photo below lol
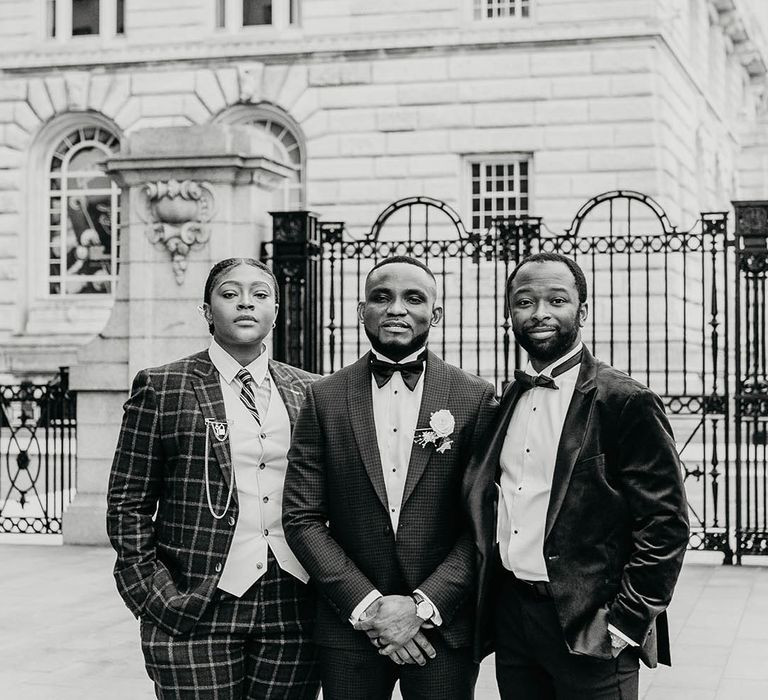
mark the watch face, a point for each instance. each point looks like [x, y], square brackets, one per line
[424, 610]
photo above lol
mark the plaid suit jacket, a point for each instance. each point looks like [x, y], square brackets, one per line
[170, 549]
[335, 513]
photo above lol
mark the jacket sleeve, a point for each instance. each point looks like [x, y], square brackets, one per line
[305, 516]
[132, 496]
[651, 481]
[453, 580]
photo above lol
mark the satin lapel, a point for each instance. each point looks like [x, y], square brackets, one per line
[209, 396]
[492, 453]
[434, 397]
[572, 438]
[290, 390]
[360, 406]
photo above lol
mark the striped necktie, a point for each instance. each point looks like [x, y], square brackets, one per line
[248, 393]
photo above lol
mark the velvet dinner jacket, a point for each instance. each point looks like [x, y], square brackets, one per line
[335, 514]
[169, 562]
[617, 526]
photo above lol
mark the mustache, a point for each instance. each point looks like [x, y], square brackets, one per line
[245, 317]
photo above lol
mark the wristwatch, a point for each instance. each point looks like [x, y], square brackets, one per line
[424, 609]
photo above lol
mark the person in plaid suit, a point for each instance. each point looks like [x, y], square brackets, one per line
[373, 503]
[194, 508]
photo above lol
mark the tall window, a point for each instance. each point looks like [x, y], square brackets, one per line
[493, 9]
[281, 143]
[74, 18]
[84, 212]
[499, 187]
[236, 14]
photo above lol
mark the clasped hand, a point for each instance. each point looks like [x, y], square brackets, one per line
[394, 628]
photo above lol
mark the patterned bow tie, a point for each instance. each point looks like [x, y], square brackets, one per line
[410, 371]
[527, 381]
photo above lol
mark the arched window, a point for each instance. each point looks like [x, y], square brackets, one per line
[283, 137]
[83, 215]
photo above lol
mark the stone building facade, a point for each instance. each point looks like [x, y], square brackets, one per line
[544, 103]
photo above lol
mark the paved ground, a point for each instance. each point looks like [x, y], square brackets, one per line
[65, 635]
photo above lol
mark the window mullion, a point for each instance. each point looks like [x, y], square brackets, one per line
[107, 18]
[63, 20]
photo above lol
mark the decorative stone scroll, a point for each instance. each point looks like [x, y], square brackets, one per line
[177, 214]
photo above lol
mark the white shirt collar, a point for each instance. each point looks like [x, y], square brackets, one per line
[410, 357]
[548, 369]
[228, 366]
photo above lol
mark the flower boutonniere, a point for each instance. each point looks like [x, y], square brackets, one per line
[441, 425]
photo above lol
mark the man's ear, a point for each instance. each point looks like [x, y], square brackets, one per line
[360, 309]
[205, 310]
[437, 315]
[583, 313]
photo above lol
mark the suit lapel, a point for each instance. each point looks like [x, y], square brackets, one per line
[572, 438]
[208, 391]
[360, 406]
[290, 390]
[434, 397]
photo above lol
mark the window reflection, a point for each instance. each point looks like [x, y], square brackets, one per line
[257, 12]
[84, 208]
[85, 17]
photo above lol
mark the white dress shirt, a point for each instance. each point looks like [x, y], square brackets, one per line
[527, 463]
[395, 414]
[259, 463]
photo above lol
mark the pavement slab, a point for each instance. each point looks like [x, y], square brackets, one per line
[66, 635]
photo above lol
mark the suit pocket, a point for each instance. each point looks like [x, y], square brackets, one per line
[590, 465]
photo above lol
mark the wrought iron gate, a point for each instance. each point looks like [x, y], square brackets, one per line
[38, 463]
[660, 303]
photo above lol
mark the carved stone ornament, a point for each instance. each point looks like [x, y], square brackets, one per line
[176, 214]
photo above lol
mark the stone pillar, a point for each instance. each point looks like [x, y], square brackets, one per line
[190, 196]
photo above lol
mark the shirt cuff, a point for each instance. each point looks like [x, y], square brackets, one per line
[623, 636]
[436, 619]
[362, 606]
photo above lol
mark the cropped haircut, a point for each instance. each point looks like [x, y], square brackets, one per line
[578, 273]
[407, 259]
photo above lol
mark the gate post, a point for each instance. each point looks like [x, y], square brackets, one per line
[751, 400]
[296, 263]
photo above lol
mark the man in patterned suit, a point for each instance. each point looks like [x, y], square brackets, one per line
[372, 502]
[194, 509]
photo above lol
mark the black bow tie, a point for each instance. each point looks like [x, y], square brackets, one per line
[410, 371]
[527, 381]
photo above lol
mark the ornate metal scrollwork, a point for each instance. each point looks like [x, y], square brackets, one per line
[177, 214]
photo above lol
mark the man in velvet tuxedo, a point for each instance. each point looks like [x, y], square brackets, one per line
[590, 522]
[373, 504]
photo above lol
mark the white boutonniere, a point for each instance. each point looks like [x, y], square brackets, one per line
[441, 426]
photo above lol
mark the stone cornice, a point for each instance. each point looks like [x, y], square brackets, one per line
[294, 47]
[746, 35]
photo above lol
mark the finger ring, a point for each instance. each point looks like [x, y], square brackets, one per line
[379, 643]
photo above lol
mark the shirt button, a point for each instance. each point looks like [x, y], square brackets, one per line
[534, 408]
[231, 519]
[395, 390]
[259, 565]
[394, 470]
[394, 430]
[266, 533]
[218, 568]
[393, 510]
[519, 488]
[527, 450]
[515, 531]
[265, 499]
[263, 436]
[262, 466]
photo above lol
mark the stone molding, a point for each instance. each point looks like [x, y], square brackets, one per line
[177, 213]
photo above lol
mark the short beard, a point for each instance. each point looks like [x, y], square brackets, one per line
[561, 344]
[397, 352]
